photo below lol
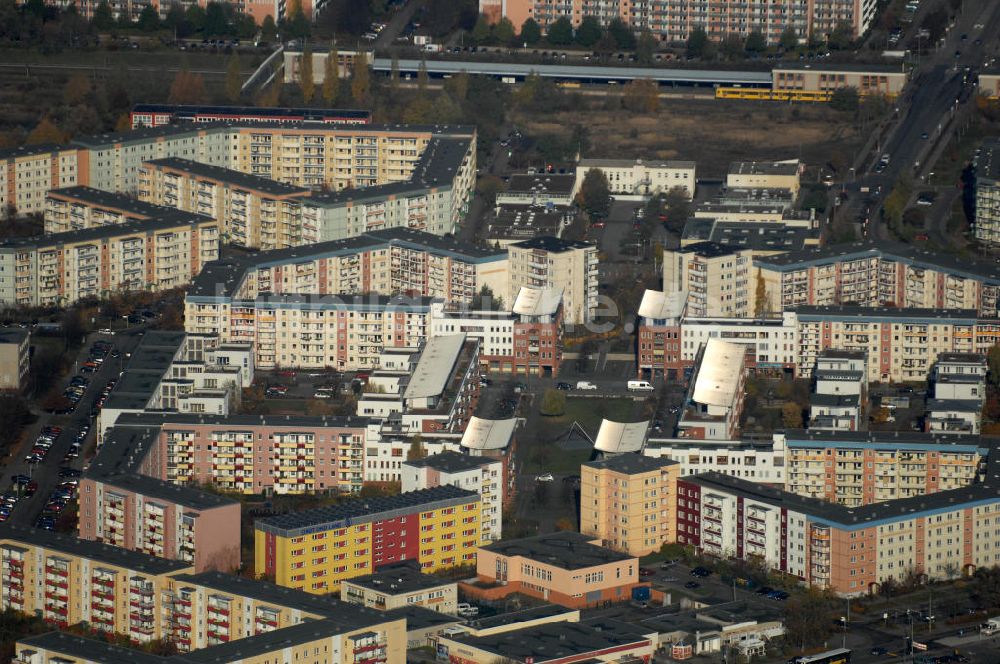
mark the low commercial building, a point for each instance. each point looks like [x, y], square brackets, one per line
[512, 223]
[551, 263]
[715, 278]
[484, 475]
[315, 550]
[29, 171]
[760, 238]
[714, 400]
[751, 458]
[254, 212]
[541, 189]
[15, 358]
[867, 79]
[987, 165]
[155, 115]
[959, 390]
[154, 254]
[765, 175]
[597, 640]
[399, 586]
[66, 580]
[77, 208]
[640, 179]
[564, 568]
[880, 274]
[628, 501]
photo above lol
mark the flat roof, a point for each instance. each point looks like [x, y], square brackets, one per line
[835, 400]
[364, 510]
[707, 250]
[898, 440]
[621, 437]
[962, 358]
[419, 618]
[564, 549]
[96, 551]
[885, 314]
[483, 434]
[631, 464]
[146, 419]
[229, 176]
[956, 405]
[756, 236]
[553, 244]
[593, 162]
[523, 221]
[558, 640]
[91, 650]
[100, 198]
[988, 161]
[437, 361]
[399, 578]
[165, 221]
[145, 369]
[451, 462]
[32, 150]
[262, 111]
[840, 67]
[550, 183]
[13, 335]
[522, 616]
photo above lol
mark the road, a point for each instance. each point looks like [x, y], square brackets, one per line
[937, 89]
[46, 473]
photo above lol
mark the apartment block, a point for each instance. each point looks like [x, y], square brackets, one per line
[348, 332]
[717, 279]
[673, 20]
[861, 468]
[879, 275]
[839, 391]
[958, 393]
[565, 568]
[850, 550]
[155, 115]
[748, 458]
[867, 79]
[987, 166]
[315, 550]
[57, 270]
[434, 388]
[640, 178]
[629, 502]
[551, 263]
[66, 580]
[794, 232]
[400, 586]
[526, 340]
[15, 358]
[714, 401]
[122, 506]
[77, 208]
[484, 475]
[29, 171]
[257, 454]
[254, 212]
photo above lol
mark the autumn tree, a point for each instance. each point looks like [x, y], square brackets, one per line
[331, 76]
[46, 131]
[272, 95]
[77, 89]
[553, 403]
[417, 450]
[234, 79]
[306, 83]
[645, 48]
[187, 88]
[642, 96]
[423, 79]
[791, 415]
[762, 304]
[595, 193]
[359, 80]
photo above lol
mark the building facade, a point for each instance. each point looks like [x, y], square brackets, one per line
[987, 164]
[888, 80]
[717, 279]
[15, 358]
[551, 263]
[29, 171]
[484, 475]
[640, 178]
[77, 208]
[629, 501]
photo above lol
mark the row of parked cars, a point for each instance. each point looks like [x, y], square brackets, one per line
[57, 503]
[43, 444]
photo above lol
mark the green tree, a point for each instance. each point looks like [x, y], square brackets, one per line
[595, 193]
[560, 32]
[678, 207]
[359, 79]
[503, 31]
[756, 42]
[331, 77]
[622, 34]
[789, 39]
[194, 15]
[697, 43]
[645, 48]
[149, 19]
[423, 79]
[993, 363]
[417, 450]
[553, 403]
[234, 78]
[482, 31]
[531, 32]
[306, 82]
[845, 99]
[842, 37]
[216, 23]
[589, 32]
[103, 19]
[394, 72]
[268, 29]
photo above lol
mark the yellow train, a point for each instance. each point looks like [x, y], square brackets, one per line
[776, 95]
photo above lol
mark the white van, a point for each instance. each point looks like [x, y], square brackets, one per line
[585, 385]
[640, 386]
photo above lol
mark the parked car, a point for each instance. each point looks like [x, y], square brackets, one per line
[545, 477]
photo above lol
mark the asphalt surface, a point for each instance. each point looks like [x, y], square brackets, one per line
[46, 473]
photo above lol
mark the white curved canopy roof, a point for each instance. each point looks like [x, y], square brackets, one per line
[621, 437]
[719, 373]
[481, 434]
[659, 305]
[537, 301]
